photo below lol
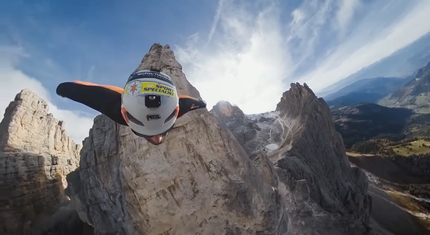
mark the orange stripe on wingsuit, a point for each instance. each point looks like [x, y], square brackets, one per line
[186, 96]
[177, 111]
[124, 115]
[113, 88]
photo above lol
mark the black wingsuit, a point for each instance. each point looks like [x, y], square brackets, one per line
[107, 99]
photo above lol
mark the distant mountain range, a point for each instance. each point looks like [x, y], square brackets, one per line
[385, 126]
[366, 90]
[414, 95]
[401, 64]
[383, 107]
[412, 92]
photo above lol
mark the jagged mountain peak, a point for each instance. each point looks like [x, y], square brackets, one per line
[295, 97]
[225, 108]
[280, 172]
[205, 175]
[36, 154]
[310, 139]
[163, 58]
[199, 181]
[28, 126]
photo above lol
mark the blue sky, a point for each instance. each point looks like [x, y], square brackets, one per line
[261, 46]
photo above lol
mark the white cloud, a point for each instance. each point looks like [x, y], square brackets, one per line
[244, 65]
[257, 48]
[12, 81]
[346, 12]
[216, 19]
[298, 17]
[358, 52]
[306, 30]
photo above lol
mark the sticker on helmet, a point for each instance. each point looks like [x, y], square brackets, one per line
[156, 88]
[133, 88]
[139, 88]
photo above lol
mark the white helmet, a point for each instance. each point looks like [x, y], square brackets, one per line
[150, 103]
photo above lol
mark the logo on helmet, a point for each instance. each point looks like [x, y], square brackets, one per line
[152, 117]
[132, 88]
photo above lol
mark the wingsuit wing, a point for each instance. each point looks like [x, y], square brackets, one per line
[107, 99]
[103, 98]
[188, 103]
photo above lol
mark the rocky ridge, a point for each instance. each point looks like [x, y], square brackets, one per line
[307, 152]
[36, 155]
[414, 95]
[219, 172]
[389, 215]
[361, 122]
[254, 132]
[317, 154]
[202, 181]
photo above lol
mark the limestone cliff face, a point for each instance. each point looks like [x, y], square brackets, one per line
[309, 157]
[417, 165]
[202, 181]
[315, 152]
[35, 156]
[254, 132]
